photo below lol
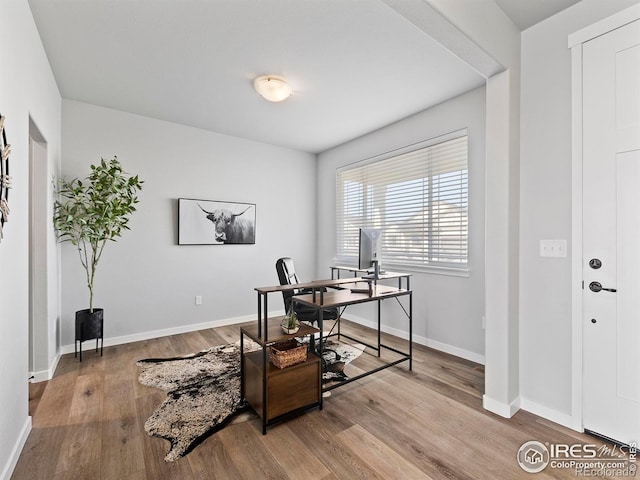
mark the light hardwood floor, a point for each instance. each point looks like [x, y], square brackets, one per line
[88, 423]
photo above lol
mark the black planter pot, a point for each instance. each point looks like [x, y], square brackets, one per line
[89, 325]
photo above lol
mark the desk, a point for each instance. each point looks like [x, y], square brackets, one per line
[275, 394]
[343, 297]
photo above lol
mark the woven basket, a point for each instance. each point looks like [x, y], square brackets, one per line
[283, 355]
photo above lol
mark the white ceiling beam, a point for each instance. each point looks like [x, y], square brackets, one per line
[433, 24]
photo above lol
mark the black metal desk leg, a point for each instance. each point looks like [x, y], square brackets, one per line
[241, 366]
[379, 325]
[320, 350]
[259, 315]
[410, 331]
[265, 365]
[266, 318]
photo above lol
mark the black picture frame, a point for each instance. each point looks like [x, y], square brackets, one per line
[213, 222]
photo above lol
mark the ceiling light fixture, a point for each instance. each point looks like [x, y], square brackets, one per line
[272, 87]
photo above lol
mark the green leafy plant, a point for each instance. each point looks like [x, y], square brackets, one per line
[290, 321]
[90, 212]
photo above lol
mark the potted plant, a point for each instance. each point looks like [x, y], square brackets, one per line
[290, 323]
[89, 213]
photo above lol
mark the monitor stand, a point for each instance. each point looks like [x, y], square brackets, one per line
[376, 272]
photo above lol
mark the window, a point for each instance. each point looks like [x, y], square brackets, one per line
[418, 197]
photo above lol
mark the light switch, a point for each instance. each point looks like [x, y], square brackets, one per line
[553, 248]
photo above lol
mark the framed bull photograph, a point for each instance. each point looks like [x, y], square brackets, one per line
[209, 222]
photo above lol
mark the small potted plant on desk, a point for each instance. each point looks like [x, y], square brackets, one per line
[88, 213]
[290, 323]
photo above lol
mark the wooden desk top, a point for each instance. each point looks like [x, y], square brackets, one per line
[339, 298]
[298, 286]
[385, 275]
[348, 269]
[338, 282]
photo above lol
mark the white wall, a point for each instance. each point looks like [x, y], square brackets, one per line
[545, 182]
[448, 310]
[27, 88]
[146, 282]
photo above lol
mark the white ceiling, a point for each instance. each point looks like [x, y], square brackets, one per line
[355, 66]
[526, 13]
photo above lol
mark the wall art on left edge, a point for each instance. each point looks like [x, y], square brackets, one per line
[5, 179]
[209, 222]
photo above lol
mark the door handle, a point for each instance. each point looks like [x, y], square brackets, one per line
[597, 286]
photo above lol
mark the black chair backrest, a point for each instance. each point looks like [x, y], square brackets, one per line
[287, 276]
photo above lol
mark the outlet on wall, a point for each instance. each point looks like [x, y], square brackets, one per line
[553, 248]
[198, 299]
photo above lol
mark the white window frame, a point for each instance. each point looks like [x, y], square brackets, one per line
[346, 242]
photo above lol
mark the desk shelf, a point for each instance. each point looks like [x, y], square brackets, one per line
[275, 333]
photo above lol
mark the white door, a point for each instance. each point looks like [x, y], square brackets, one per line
[611, 234]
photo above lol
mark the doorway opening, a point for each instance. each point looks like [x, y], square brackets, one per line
[39, 225]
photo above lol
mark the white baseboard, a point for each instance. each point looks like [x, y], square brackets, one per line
[136, 337]
[506, 410]
[427, 342]
[443, 347]
[548, 413]
[15, 452]
[44, 375]
[451, 349]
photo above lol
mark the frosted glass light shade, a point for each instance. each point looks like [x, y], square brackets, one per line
[272, 87]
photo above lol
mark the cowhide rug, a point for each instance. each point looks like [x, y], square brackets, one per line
[203, 392]
[336, 356]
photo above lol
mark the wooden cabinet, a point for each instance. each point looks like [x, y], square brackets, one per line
[272, 392]
[288, 389]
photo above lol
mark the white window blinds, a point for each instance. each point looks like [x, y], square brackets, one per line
[418, 198]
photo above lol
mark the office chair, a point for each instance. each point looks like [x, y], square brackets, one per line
[287, 276]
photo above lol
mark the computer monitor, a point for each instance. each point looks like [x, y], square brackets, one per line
[369, 248]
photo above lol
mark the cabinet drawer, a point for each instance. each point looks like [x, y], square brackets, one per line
[293, 388]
